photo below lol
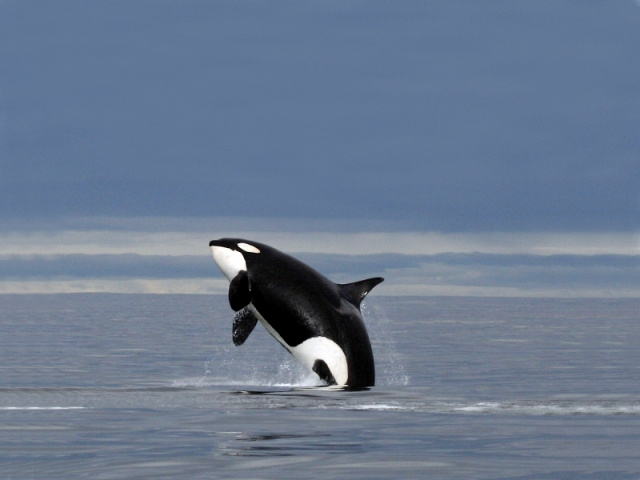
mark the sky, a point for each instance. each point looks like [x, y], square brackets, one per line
[454, 147]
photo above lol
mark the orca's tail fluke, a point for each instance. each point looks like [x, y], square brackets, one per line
[356, 291]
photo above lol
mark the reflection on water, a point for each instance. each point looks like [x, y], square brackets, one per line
[288, 444]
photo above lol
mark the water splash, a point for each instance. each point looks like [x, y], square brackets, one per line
[262, 362]
[235, 366]
[292, 373]
[390, 370]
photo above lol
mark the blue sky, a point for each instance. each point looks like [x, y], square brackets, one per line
[497, 128]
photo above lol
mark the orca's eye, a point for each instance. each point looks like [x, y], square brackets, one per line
[248, 248]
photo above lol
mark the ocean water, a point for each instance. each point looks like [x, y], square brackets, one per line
[150, 386]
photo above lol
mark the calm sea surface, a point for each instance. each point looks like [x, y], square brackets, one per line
[151, 386]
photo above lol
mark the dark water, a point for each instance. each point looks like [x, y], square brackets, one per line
[150, 386]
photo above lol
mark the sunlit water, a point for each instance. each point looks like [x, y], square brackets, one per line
[144, 386]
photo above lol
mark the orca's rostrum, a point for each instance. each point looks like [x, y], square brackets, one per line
[316, 320]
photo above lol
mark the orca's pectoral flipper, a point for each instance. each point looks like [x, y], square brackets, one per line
[239, 293]
[356, 291]
[243, 324]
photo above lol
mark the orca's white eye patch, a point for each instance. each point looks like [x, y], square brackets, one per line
[248, 248]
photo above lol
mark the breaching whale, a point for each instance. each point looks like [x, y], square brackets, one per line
[317, 321]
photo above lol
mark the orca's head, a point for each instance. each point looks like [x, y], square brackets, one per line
[230, 255]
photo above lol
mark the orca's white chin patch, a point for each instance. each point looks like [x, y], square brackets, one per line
[230, 262]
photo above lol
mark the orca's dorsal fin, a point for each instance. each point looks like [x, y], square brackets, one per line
[239, 293]
[356, 291]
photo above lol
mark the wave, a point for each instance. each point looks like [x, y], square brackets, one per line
[525, 407]
[554, 408]
[220, 392]
[43, 408]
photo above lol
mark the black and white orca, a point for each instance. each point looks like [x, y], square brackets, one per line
[317, 321]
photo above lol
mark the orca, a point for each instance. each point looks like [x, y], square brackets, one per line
[316, 320]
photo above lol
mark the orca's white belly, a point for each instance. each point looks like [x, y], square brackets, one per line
[313, 349]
